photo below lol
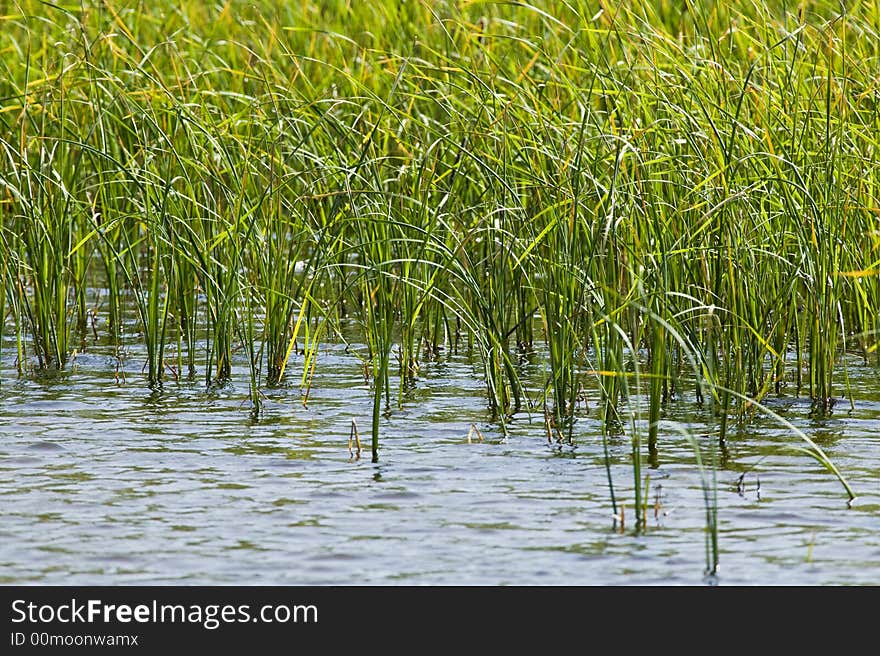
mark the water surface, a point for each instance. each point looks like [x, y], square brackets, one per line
[109, 482]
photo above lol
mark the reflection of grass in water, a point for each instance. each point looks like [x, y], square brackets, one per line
[264, 449]
[75, 476]
[233, 486]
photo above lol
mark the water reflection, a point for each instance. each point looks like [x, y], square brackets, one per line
[106, 483]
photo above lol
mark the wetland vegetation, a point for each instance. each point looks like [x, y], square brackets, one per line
[609, 207]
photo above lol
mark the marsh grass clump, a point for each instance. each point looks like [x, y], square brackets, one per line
[672, 199]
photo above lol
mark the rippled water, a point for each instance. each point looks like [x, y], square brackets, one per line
[109, 483]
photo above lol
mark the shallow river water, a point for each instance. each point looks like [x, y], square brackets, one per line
[105, 483]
